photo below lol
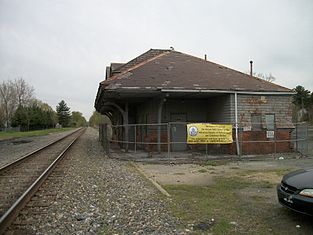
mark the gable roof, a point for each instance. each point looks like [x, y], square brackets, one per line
[172, 70]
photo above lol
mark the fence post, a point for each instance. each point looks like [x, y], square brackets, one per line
[168, 139]
[135, 131]
[103, 135]
[275, 138]
[236, 124]
[105, 139]
[125, 122]
[241, 140]
[296, 136]
[100, 133]
[307, 138]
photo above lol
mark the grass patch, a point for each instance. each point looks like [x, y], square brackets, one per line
[18, 134]
[220, 201]
[265, 184]
[211, 168]
[281, 172]
[202, 171]
[215, 162]
[179, 173]
[234, 168]
[278, 172]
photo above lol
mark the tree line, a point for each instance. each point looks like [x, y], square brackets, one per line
[20, 108]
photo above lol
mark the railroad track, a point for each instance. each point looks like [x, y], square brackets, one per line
[20, 179]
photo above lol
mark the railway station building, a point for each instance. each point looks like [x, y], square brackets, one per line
[160, 91]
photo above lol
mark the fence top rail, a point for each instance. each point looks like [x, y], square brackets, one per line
[169, 123]
[222, 123]
[240, 124]
[142, 124]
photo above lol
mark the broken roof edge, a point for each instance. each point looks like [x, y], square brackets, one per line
[182, 90]
[115, 66]
[229, 91]
[136, 65]
[145, 53]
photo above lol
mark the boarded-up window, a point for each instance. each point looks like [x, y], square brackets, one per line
[270, 121]
[256, 121]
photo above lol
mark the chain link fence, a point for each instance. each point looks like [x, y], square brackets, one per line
[10, 129]
[170, 140]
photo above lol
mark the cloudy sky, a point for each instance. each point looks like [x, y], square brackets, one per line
[61, 47]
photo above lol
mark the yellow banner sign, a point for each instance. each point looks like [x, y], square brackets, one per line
[201, 133]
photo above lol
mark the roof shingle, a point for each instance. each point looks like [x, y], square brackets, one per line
[169, 69]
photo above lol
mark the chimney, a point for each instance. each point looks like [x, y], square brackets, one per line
[205, 57]
[251, 72]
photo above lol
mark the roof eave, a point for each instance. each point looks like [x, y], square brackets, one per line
[229, 91]
[195, 91]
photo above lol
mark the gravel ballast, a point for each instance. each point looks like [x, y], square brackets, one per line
[99, 195]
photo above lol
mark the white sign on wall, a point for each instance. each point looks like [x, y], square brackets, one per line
[270, 134]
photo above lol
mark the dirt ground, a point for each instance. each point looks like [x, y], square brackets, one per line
[254, 201]
[204, 174]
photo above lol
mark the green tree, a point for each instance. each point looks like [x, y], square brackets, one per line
[302, 97]
[63, 113]
[77, 119]
[96, 119]
[20, 118]
[49, 115]
[37, 115]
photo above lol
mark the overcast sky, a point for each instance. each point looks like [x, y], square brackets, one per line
[61, 47]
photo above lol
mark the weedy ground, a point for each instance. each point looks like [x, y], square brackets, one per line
[237, 199]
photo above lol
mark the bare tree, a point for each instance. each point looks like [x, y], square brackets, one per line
[2, 119]
[267, 77]
[24, 92]
[8, 101]
[12, 95]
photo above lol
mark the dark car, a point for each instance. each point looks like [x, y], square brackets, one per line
[296, 191]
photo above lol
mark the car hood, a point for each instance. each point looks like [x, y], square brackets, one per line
[300, 179]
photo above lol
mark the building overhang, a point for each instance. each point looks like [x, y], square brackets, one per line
[139, 94]
[207, 91]
[136, 92]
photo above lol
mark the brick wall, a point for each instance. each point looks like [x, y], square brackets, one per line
[280, 105]
[263, 145]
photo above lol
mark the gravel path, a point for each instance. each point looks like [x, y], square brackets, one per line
[11, 150]
[104, 196]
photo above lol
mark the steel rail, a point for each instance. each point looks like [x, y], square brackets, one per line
[19, 160]
[14, 210]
